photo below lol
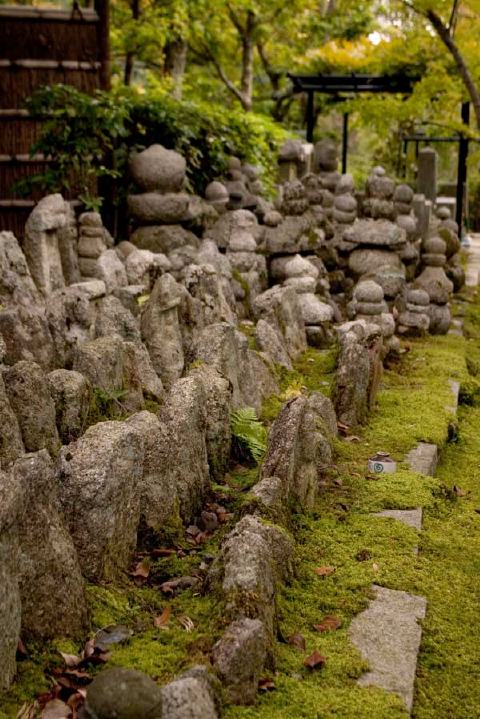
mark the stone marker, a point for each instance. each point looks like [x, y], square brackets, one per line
[427, 173]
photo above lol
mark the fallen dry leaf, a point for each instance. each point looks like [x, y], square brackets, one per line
[328, 624]
[324, 571]
[352, 438]
[56, 709]
[163, 552]
[375, 567]
[113, 634]
[266, 684]
[186, 623]
[298, 641]
[21, 650]
[314, 661]
[142, 570]
[27, 710]
[71, 660]
[162, 620]
[458, 491]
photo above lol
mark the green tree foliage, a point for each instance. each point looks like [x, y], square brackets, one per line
[90, 137]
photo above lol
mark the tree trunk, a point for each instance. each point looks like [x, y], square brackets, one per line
[130, 56]
[450, 44]
[248, 47]
[175, 63]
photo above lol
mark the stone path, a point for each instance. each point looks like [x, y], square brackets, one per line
[387, 633]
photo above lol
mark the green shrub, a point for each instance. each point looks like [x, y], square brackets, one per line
[89, 137]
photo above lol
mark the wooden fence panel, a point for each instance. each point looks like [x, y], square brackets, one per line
[41, 47]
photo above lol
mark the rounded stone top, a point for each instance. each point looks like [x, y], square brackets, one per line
[345, 185]
[403, 193]
[272, 218]
[368, 291]
[326, 155]
[450, 225]
[90, 219]
[157, 168]
[443, 213]
[242, 219]
[121, 693]
[298, 266]
[435, 246]
[251, 171]
[233, 163]
[379, 185]
[293, 190]
[379, 171]
[242, 241]
[291, 150]
[407, 223]
[418, 297]
[216, 192]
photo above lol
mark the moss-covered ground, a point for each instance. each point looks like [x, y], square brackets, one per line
[340, 533]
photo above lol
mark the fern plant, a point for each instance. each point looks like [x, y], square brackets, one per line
[249, 432]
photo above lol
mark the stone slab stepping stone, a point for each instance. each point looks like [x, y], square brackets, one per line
[410, 517]
[423, 458]
[388, 635]
[455, 387]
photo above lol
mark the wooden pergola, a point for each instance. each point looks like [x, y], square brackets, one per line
[341, 86]
[344, 85]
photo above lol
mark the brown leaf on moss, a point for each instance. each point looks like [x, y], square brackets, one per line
[297, 641]
[266, 684]
[71, 660]
[162, 620]
[315, 661]
[163, 552]
[141, 570]
[459, 491]
[328, 624]
[324, 571]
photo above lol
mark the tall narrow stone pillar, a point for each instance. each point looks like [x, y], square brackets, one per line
[427, 173]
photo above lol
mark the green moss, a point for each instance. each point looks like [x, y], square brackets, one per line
[313, 371]
[196, 363]
[105, 406]
[249, 331]
[413, 405]
[317, 368]
[238, 277]
[152, 405]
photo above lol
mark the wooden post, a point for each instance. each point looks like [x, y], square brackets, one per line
[344, 143]
[310, 115]
[462, 167]
[102, 8]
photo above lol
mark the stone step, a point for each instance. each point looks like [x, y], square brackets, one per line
[410, 517]
[388, 635]
[423, 458]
